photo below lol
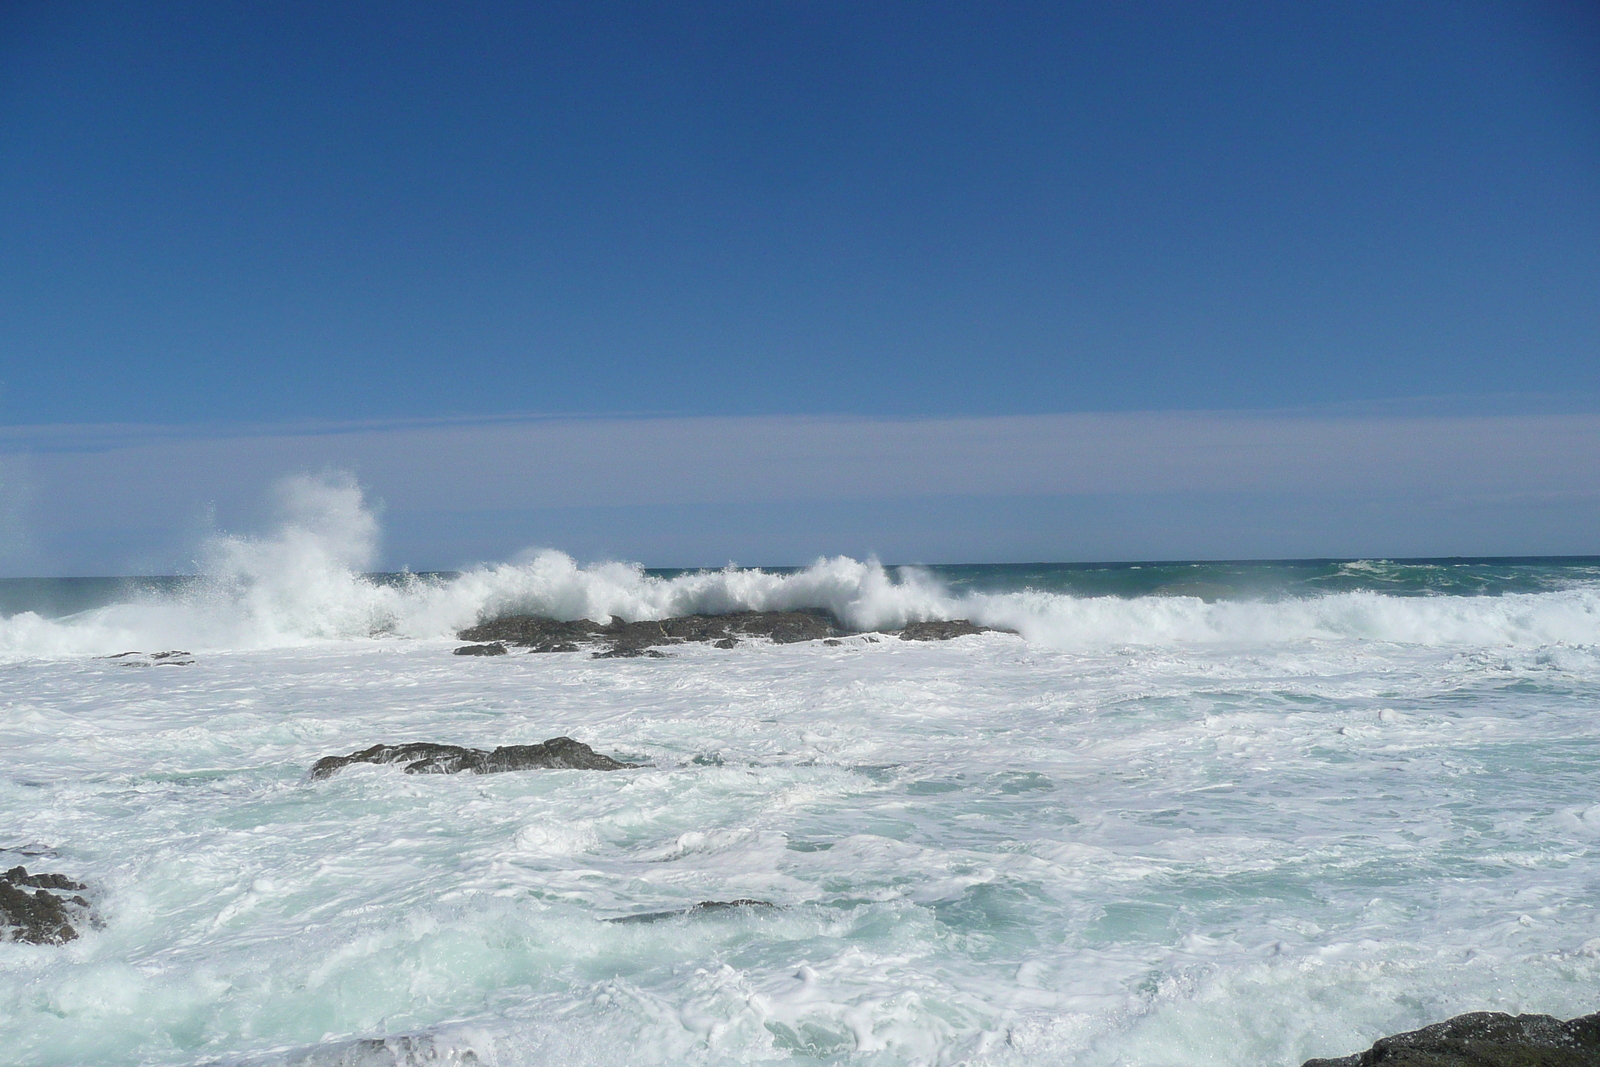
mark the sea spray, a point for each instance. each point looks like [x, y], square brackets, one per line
[304, 582]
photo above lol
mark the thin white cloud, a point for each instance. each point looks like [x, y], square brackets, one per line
[147, 479]
[576, 462]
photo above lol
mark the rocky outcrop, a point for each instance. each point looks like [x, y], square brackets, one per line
[1485, 1039]
[944, 630]
[493, 648]
[422, 757]
[618, 639]
[701, 908]
[40, 917]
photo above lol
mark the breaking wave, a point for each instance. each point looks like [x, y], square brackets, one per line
[305, 583]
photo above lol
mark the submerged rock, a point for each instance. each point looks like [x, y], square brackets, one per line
[422, 757]
[944, 630]
[40, 917]
[1485, 1039]
[699, 909]
[620, 640]
[397, 1050]
[493, 648]
[172, 658]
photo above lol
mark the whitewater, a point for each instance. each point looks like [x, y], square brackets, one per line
[1181, 822]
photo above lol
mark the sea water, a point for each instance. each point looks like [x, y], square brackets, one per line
[1194, 815]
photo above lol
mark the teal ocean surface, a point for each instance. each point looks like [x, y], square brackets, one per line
[1209, 580]
[1188, 814]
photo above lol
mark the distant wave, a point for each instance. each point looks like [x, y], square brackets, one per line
[305, 584]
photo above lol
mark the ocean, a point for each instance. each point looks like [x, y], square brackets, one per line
[1190, 814]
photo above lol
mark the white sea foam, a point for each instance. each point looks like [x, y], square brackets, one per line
[1155, 832]
[985, 851]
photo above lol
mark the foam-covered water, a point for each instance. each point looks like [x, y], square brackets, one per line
[1152, 830]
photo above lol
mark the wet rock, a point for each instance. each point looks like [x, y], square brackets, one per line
[629, 652]
[556, 753]
[399, 1050]
[412, 753]
[493, 648]
[1485, 1039]
[701, 908]
[173, 658]
[40, 917]
[534, 633]
[422, 757]
[32, 851]
[625, 640]
[618, 639]
[945, 629]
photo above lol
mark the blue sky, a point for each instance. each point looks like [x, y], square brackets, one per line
[219, 218]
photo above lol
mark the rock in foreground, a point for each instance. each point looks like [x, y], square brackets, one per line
[422, 757]
[39, 917]
[1485, 1039]
[617, 639]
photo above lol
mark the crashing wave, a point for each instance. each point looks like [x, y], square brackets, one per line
[305, 584]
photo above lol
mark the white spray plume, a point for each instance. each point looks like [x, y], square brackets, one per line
[304, 580]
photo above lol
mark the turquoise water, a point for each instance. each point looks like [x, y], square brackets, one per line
[1209, 580]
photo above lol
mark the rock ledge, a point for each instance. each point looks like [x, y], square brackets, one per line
[1485, 1039]
[618, 639]
[423, 757]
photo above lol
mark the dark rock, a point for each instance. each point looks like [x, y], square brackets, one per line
[32, 851]
[493, 648]
[421, 757]
[618, 639]
[556, 753]
[784, 627]
[532, 631]
[417, 751]
[624, 640]
[1485, 1039]
[173, 658]
[699, 909]
[40, 917]
[945, 629]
